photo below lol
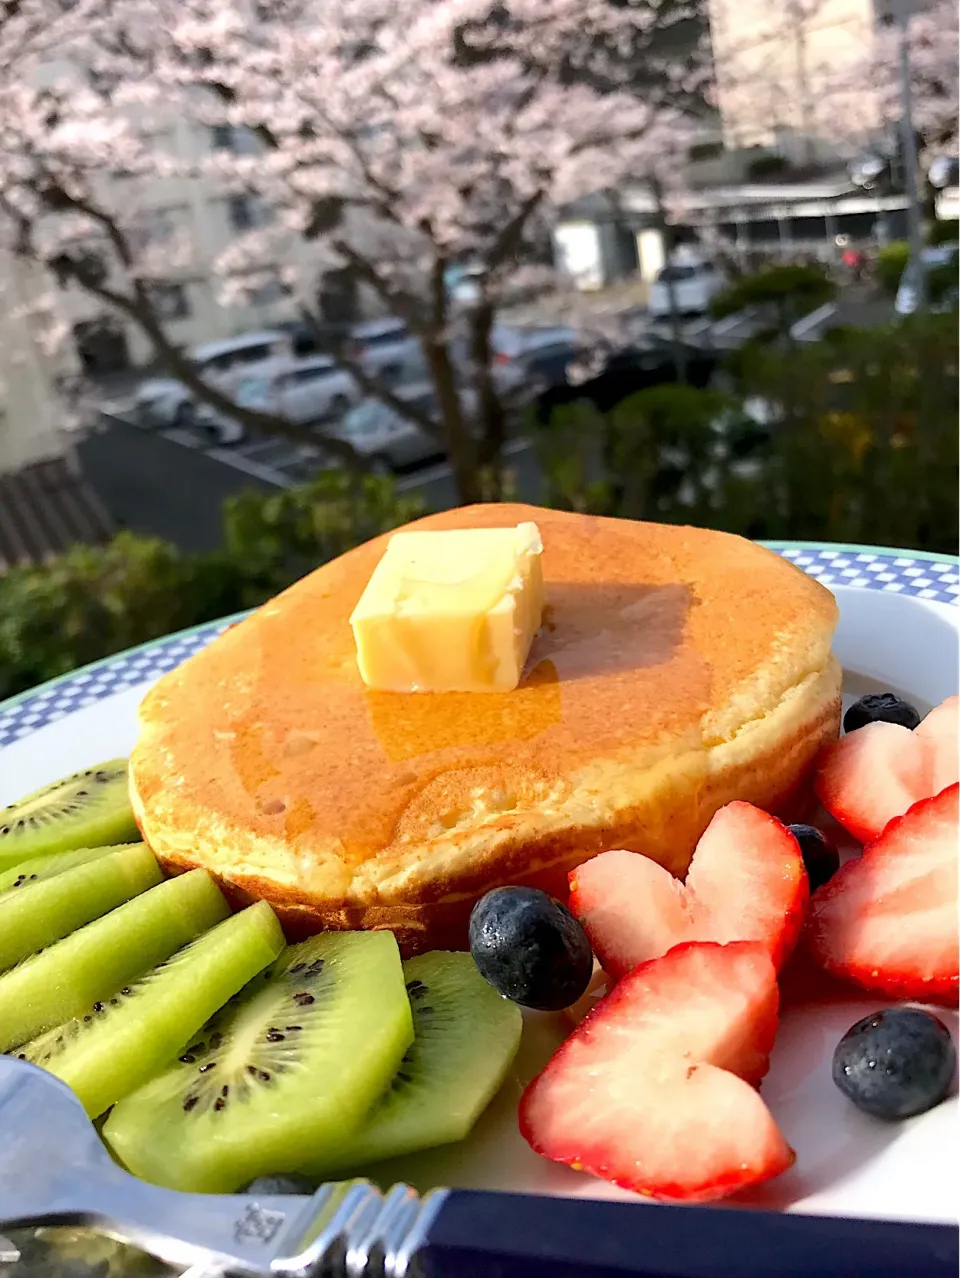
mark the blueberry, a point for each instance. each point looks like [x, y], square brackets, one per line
[283, 1184]
[896, 1063]
[880, 707]
[530, 948]
[819, 855]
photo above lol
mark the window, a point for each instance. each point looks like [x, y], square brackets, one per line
[312, 374]
[305, 376]
[425, 404]
[237, 359]
[271, 289]
[387, 336]
[171, 301]
[158, 226]
[252, 354]
[367, 418]
[234, 138]
[247, 212]
[673, 274]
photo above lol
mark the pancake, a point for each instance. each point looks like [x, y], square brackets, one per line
[677, 669]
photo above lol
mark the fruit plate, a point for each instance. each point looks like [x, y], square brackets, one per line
[899, 631]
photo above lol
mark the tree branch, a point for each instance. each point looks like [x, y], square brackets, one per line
[140, 309]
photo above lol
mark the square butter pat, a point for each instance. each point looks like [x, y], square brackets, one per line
[451, 611]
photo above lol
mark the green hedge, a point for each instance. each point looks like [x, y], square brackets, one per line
[860, 445]
[94, 601]
[891, 261]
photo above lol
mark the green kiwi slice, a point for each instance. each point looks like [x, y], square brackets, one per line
[45, 867]
[84, 810]
[121, 1042]
[38, 913]
[61, 982]
[466, 1037]
[293, 1063]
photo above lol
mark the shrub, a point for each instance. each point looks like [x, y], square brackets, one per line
[890, 264]
[97, 600]
[787, 292]
[280, 537]
[944, 231]
[852, 439]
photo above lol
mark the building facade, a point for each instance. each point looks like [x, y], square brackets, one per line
[791, 75]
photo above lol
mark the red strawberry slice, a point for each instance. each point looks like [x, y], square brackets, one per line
[941, 728]
[746, 882]
[655, 1090]
[888, 920]
[872, 775]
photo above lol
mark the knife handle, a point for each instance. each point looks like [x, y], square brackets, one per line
[479, 1235]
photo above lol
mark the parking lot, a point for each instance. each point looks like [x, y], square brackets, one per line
[283, 463]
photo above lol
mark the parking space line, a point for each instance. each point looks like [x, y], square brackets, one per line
[268, 474]
[184, 437]
[443, 470]
[257, 446]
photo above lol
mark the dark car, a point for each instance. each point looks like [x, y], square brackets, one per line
[570, 371]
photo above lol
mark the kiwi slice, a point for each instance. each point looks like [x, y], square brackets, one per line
[83, 810]
[39, 913]
[293, 1063]
[121, 1042]
[466, 1037]
[61, 982]
[45, 867]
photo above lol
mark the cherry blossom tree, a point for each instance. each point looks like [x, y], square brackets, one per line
[934, 58]
[390, 143]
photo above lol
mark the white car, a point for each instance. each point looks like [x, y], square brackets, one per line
[385, 348]
[388, 441]
[695, 283]
[908, 290]
[164, 401]
[311, 390]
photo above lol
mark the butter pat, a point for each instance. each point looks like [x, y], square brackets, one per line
[451, 611]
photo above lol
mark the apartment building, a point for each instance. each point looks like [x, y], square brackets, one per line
[790, 75]
[188, 222]
[31, 415]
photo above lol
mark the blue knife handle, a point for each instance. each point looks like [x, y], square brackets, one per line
[489, 1235]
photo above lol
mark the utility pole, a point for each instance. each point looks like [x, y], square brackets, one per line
[908, 143]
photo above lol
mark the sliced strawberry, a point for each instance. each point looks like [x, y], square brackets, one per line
[872, 775]
[654, 1090]
[746, 882]
[888, 920]
[941, 728]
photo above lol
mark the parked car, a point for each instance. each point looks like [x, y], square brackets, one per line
[385, 348]
[386, 440]
[513, 347]
[164, 401]
[603, 375]
[311, 390]
[938, 267]
[695, 283]
[389, 441]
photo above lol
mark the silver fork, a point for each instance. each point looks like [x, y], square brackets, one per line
[54, 1170]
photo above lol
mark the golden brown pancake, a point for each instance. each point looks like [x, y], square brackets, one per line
[676, 669]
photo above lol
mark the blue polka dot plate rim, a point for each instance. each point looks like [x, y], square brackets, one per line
[903, 640]
[932, 579]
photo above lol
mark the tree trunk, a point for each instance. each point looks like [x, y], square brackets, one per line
[669, 245]
[491, 418]
[457, 441]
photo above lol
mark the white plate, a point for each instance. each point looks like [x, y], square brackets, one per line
[898, 631]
